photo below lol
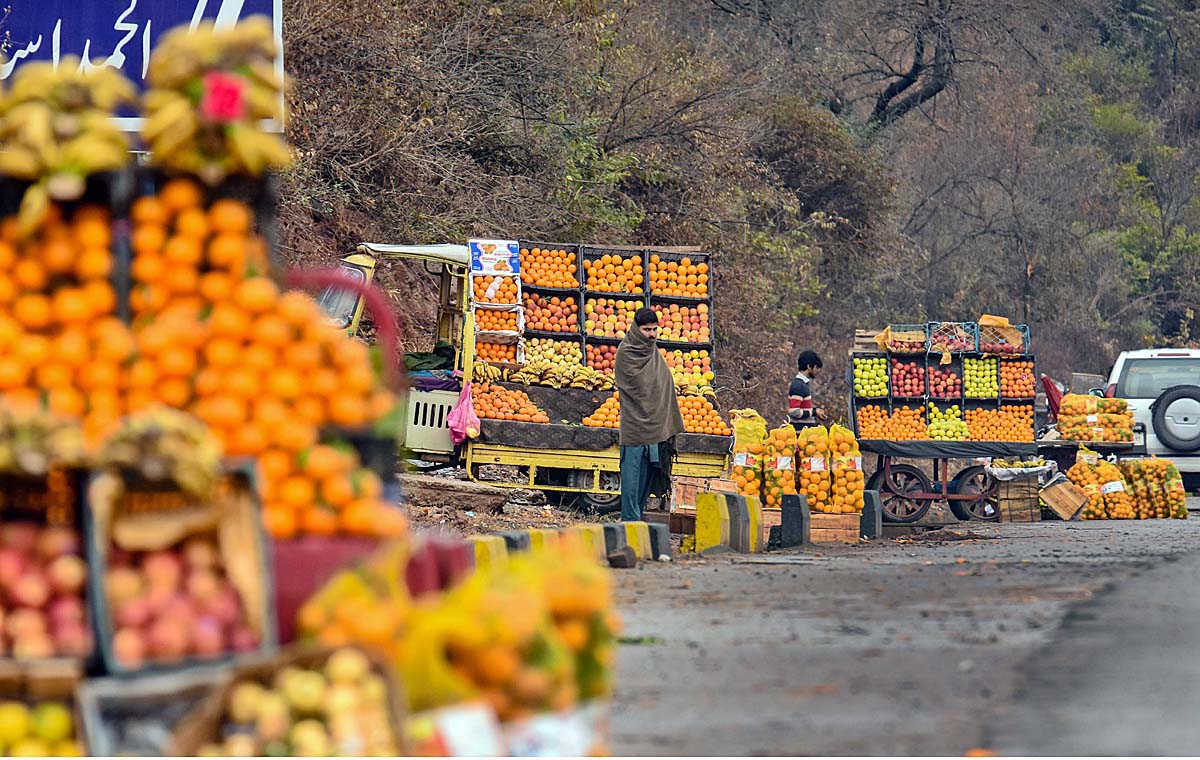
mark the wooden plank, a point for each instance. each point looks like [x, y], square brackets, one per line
[835, 528]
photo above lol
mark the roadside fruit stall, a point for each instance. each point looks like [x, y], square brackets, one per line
[198, 554]
[943, 391]
[534, 328]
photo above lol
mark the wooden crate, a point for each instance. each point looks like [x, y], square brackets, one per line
[835, 529]
[1018, 500]
[864, 340]
[1065, 498]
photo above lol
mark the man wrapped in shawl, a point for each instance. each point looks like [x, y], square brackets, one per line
[650, 417]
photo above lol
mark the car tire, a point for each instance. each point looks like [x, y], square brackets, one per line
[1189, 396]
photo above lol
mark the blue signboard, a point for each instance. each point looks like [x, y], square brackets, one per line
[117, 33]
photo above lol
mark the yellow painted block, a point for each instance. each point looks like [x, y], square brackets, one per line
[490, 551]
[541, 539]
[637, 535]
[712, 521]
[591, 538]
[754, 508]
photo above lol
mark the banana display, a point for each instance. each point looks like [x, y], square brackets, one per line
[162, 443]
[209, 90]
[543, 372]
[56, 130]
[31, 440]
[1012, 464]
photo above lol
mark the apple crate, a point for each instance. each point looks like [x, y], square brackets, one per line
[1010, 340]
[177, 581]
[952, 337]
[204, 724]
[44, 576]
[907, 338]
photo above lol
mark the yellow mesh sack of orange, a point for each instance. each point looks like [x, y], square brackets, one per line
[779, 471]
[813, 460]
[846, 474]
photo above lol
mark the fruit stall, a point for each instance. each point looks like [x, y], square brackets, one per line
[198, 551]
[939, 392]
[534, 327]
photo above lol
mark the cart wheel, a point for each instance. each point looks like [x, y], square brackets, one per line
[975, 480]
[599, 503]
[897, 506]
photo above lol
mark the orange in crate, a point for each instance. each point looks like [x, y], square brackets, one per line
[497, 353]
[549, 268]
[494, 320]
[615, 273]
[1016, 379]
[682, 278]
[494, 289]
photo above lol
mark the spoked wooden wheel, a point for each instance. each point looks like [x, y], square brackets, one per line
[974, 480]
[898, 505]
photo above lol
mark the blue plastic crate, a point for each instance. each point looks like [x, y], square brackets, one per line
[952, 337]
[992, 340]
[916, 347]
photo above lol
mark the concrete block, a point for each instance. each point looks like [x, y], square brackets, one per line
[660, 541]
[624, 557]
[637, 535]
[541, 539]
[516, 540]
[795, 523]
[871, 524]
[755, 521]
[739, 522]
[490, 551]
[614, 537]
[591, 538]
[712, 521]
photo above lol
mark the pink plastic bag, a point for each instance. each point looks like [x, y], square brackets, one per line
[464, 423]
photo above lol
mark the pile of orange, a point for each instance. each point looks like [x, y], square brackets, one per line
[688, 362]
[1084, 475]
[779, 469]
[495, 402]
[602, 358]
[549, 268]
[497, 353]
[551, 314]
[494, 289]
[607, 416]
[683, 324]
[699, 416]
[495, 320]
[1008, 423]
[1016, 379]
[59, 341]
[187, 254]
[682, 278]
[846, 481]
[1118, 501]
[903, 424]
[614, 273]
[609, 317]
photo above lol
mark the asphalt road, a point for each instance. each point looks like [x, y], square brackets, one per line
[1050, 638]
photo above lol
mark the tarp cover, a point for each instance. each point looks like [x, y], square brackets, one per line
[948, 449]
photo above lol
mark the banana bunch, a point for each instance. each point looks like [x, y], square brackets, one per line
[1006, 464]
[482, 372]
[557, 375]
[56, 129]
[167, 444]
[32, 441]
[688, 388]
[209, 92]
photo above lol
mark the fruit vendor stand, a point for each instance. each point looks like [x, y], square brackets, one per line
[196, 555]
[942, 391]
[535, 326]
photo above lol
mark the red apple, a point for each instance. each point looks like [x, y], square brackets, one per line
[23, 623]
[66, 609]
[55, 542]
[34, 646]
[30, 590]
[203, 585]
[12, 565]
[162, 569]
[179, 607]
[201, 554]
[122, 584]
[22, 536]
[168, 639]
[129, 646]
[73, 640]
[133, 613]
[243, 639]
[208, 640]
[226, 606]
[67, 574]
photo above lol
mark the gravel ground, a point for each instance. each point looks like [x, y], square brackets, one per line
[1031, 640]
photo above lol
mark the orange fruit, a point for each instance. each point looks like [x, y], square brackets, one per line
[174, 392]
[256, 294]
[275, 464]
[279, 521]
[33, 311]
[148, 210]
[192, 223]
[183, 250]
[318, 521]
[230, 217]
[180, 194]
[148, 239]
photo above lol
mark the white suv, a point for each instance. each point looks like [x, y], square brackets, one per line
[1162, 386]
